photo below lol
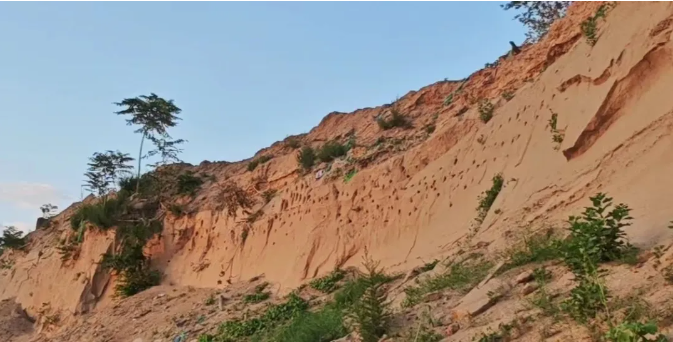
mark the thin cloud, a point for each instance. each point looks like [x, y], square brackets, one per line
[25, 195]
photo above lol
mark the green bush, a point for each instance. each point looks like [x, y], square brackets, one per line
[324, 325]
[327, 283]
[261, 160]
[486, 109]
[397, 119]
[331, 150]
[306, 157]
[104, 214]
[148, 185]
[430, 128]
[488, 197]
[635, 332]
[292, 143]
[371, 314]
[534, 249]
[188, 184]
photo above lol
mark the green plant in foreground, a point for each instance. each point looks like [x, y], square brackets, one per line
[349, 175]
[371, 313]
[635, 332]
[327, 283]
[488, 197]
[486, 109]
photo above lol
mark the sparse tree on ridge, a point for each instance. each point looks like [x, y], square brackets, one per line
[48, 210]
[167, 149]
[537, 15]
[154, 115]
[12, 238]
[105, 169]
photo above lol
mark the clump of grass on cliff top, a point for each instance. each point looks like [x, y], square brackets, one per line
[488, 197]
[590, 26]
[397, 119]
[261, 160]
[331, 150]
[189, 184]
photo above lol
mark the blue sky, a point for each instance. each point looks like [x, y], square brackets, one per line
[244, 74]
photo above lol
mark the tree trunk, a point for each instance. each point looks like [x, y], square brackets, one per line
[140, 158]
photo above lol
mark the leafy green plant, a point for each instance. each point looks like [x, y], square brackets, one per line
[397, 119]
[371, 313]
[331, 150]
[486, 109]
[349, 175]
[293, 142]
[102, 214]
[306, 157]
[104, 170]
[256, 297]
[488, 197]
[323, 325]
[635, 332]
[210, 300]
[535, 248]
[189, 184]
[328, 283]
[557, 136]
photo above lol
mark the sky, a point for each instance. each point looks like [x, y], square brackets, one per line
[245, 74]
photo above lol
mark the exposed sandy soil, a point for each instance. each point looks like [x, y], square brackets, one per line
[414, 195]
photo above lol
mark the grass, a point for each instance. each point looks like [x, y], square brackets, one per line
[508, 95]
[397, 119]
[487, 198]
[189, 184]
[331, 150]
[589, 27]
[557, 136]
[328, 283]
[459, 277]
[261, 160]
[429, 266]
[293, 143]
[349, 175]
[486, 109]
[535, 248]
[104, 214]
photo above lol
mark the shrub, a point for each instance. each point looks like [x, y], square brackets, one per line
[104, 214]
[256, 297]
[635, 332]
[147, 187]
[324, 325]
[508, 95]
[349, 175]
[293, 143]
[188, 184]
[306, 157]
[261, 160]
[429, 266]
[534, 249]
[371, 314]
[176, 209]
[485, 110]
[331, 150]
[430, 128]
[327, 283]
[397, 119]
[488, 197]
[448, 100]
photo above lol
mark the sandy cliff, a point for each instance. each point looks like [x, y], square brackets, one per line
[414, 195]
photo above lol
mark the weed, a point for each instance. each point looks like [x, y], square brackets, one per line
[306, 157]
[430, 128]
[486, 109]
[210, 300]
[104, 214]
[448, 100]
[508, 95]
[324, 325]
[589, 26]
[327, 284]
[269, 194]
[557, 136]
[488, 197]
[293, 143]
[349, 175]
[429, 266]
[397, 119]
[188, 184]
[256, 297]
[425, 334]
[635, 332]
[261, 160]
[352, 291]
[370, 314]
[460, 277]
[533, 249]
[331, 150]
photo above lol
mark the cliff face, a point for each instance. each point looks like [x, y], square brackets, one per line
[415, 191]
